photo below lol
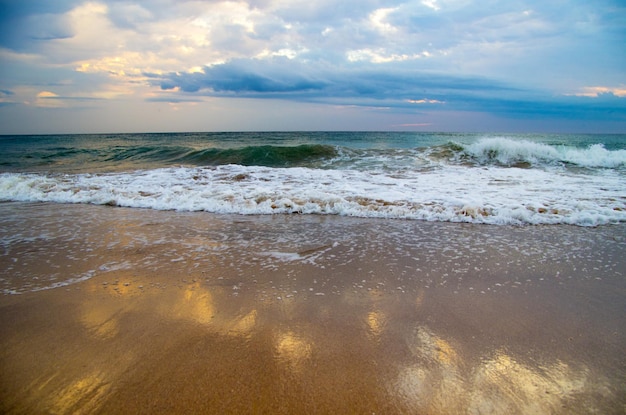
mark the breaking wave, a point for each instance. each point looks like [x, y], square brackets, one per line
[509, 152]
[490, 195]
[270, 156]
[458, 178]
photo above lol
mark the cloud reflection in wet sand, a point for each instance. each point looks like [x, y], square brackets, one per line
[394, 355]
[82, 396]
[376, 321]
[293, 350]
[349, 326]
[437, 378]
[440, 381]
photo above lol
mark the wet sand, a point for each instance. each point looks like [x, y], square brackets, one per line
[110, 310]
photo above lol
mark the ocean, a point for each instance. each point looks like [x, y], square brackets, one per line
[500, 179]
[313, 272]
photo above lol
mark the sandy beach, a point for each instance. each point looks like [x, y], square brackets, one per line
[111, 310]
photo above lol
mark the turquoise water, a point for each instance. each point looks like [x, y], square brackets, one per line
[85, 153]
[482, 178]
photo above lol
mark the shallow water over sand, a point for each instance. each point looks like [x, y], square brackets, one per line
[111, 310]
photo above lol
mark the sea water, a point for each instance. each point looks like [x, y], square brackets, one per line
[498, 179]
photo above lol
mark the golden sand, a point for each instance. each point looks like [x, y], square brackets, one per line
[170, 313]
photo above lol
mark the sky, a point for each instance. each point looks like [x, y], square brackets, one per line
[76, 66]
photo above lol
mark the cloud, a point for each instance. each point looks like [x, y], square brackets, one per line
[381, 55]
[47, 94]
[24, 23]
[373, 85]
[281, 77]
[432, 4]
[425, 101]
[129, 15]
[173, 100]
[597, 91]
[277, 75]
[513, 59]
[47, 99]
[7, 98]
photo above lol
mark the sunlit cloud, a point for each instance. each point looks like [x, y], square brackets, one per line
[47, 99]
[382, 56]
[47, 94]
[502, 59]
[378, 19]
[431, 4]
[286, 52]
[596, 91]
[425, 101]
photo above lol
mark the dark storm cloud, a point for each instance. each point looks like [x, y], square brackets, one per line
[372, 85]
[249, 77]
[25, 21]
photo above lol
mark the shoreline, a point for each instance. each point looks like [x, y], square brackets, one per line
[194, 312]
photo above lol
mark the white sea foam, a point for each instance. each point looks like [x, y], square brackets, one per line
[488, 194]
[507, 151]
[283, 256]
[63, 283]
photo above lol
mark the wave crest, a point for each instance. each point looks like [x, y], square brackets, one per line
[268, 156]
[509, 152]
[454, 194]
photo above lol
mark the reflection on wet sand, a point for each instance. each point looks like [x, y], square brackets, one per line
[193, 303]
[431, 383]
[83, 396]
[409, 366]
[101, 322]
[441, 381]
[208, 325]
[244, 325]
[502, 384]
[293, 350]
[376, 321]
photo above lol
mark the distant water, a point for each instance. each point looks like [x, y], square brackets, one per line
[479, 178]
